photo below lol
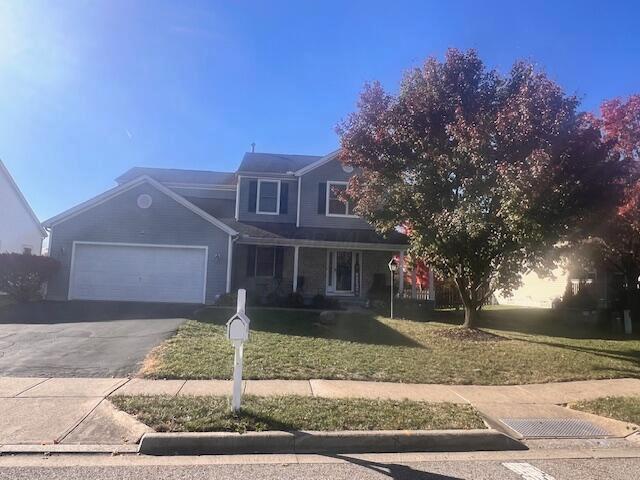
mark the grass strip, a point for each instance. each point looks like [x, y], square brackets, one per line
[292, 413]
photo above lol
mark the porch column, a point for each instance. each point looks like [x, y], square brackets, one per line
[295, 267]
[432, 285]
[414, 284]
[229, 263]
[401, 273]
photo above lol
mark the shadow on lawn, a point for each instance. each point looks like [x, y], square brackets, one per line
[531, 321]
[631, 355]
[346, 326]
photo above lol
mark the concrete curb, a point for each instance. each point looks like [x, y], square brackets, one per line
[386, 441]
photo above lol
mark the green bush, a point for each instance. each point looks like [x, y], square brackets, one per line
[325, 303]
[227, 300]
[22, 276]
[295, 300]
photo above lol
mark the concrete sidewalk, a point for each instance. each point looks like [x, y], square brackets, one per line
[549, 393]
[76, 410]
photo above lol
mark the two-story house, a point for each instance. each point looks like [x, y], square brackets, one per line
[274, 225]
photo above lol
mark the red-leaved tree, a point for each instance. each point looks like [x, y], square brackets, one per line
[616, 243]
[490, 171]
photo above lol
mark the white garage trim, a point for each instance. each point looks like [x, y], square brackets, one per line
[142, 245]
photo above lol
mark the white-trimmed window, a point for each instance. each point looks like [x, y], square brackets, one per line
[336, 207]
[268, 197]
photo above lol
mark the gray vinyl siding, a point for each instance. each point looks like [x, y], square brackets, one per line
[309, 217]
[120, 220]
[245, 216]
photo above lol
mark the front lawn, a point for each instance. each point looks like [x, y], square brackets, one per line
[292, 413]
[625, 409]
[530, 346]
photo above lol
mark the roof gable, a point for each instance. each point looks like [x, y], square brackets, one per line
[179, 176]
[318, 163]
[274, 162]
[114, 192]
[27, 207]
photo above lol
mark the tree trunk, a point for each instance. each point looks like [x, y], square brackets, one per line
[470, 316]
[470, 303]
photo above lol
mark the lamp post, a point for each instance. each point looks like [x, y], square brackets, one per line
[393, 266]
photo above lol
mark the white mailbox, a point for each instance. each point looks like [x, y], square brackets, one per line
[238, 327]
[238, 333]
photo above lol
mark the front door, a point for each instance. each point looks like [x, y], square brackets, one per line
[342, 269]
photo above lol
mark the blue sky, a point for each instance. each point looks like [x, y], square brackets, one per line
[89, 89]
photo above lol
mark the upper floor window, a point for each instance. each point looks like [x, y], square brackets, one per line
[335, 205]
[268, 197]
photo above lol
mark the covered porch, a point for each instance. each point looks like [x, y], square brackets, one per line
[345, 271]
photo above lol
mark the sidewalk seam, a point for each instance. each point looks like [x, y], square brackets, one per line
[32, 386]
[313, 394]
[463, 398]
[61, 438]
[64, 435]
[180, 389]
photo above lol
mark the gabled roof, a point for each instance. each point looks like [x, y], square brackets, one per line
[23, 200]
[114, 192]
[318, 163]
[174, 175]
[274, 162]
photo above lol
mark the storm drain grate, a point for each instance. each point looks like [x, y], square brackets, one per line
[554, 428]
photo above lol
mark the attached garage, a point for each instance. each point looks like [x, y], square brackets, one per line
[138, 272]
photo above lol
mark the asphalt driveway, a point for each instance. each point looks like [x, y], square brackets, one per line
[83, 339]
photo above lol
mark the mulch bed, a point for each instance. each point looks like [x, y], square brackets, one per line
[468, 334]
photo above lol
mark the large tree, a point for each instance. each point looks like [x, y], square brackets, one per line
[489, 171]
[616, 241]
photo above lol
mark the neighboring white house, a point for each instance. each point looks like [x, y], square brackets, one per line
[537, 291]
[20, 229]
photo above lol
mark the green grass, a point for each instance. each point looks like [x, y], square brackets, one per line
[290, 344]
[625, 409]
[291, 413]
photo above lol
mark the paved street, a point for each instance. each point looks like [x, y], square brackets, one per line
[314, 467]
[82, 339]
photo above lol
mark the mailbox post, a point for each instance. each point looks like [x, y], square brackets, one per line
[238, 333]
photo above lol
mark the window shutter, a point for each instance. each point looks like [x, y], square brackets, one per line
[322, 198]
[279, 259]
[251, 260]
[284, 198]
[253, 195]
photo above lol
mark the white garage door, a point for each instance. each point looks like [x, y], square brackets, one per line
[140, 273]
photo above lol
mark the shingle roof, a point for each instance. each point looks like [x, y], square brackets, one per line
[282, 231]
[275, 162]
[174, 175]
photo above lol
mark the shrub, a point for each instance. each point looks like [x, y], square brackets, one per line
[295, 300]
[227, 300]
[585, 299]
[272, 299]
[325, 303]
[22, 276]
